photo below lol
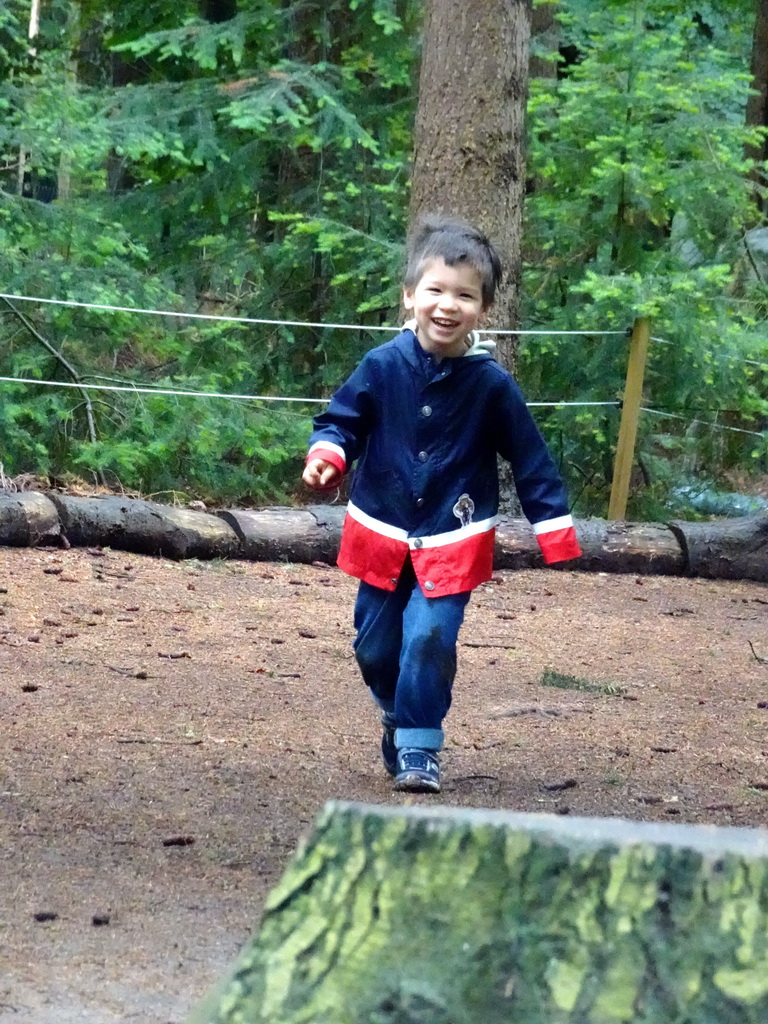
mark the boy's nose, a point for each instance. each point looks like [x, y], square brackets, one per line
[447, 301]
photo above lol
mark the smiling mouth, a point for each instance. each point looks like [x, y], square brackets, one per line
[447, 324]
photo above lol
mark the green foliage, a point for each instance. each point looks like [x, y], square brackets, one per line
[237, 453]
[562, 681]
[641, 207]
[257, 167]
[253, 167]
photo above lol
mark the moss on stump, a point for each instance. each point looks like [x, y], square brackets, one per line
[450, 916]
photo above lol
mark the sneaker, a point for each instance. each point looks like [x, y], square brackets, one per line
[418, 771]
[388, 748]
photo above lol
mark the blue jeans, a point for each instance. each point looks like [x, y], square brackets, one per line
[406, 649]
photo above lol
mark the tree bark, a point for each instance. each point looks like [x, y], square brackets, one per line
[310, 534]
[545, 33]
[28, 519]
[469, 137]
[725, 549]
[71, 32]
[757, 103]
[145, 527]
[447, 916]
[32, 33]
[732, 550]
[642, 548]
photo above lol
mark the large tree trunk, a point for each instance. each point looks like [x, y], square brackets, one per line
[757, 103]
[545, 35]
[469, 146]
[440, 916]
[32, 33]
[72, 33]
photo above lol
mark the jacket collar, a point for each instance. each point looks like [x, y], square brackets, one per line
[409, 347]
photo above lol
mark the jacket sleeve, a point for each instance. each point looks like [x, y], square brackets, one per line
[339, 434]
[537, 480]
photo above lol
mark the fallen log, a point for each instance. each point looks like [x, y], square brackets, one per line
[722, 549]
[643, 548]
[312, 533]
[28, 518]
[308, 534]
[454, 915]
[736, 549]
[145, 527]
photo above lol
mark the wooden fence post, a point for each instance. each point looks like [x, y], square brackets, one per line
[630, 414]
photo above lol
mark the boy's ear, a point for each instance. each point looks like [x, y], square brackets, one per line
[407, 299]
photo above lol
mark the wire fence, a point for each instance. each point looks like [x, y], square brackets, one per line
[736, 359]
[146, 388]
[698, 422]
[263, 321]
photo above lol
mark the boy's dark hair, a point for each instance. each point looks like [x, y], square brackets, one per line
[454, 241]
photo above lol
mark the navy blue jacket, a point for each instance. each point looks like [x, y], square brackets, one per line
[425, 435]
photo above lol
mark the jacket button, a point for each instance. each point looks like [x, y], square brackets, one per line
[419, 502]
[429, 585]
[418, 543]
[426, 410]
[394, 579]
[423, 456]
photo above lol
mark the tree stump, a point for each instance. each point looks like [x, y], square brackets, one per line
[27, 518]
[456, 916]
[144, 527]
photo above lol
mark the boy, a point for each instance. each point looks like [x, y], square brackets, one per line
[424, 416]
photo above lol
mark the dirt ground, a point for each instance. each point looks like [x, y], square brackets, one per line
[169, 731]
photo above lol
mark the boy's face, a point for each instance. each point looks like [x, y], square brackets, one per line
[447, 303]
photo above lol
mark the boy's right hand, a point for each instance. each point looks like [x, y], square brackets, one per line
[320, 474]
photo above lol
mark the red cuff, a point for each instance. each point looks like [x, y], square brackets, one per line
[559, 545]
[328, 455]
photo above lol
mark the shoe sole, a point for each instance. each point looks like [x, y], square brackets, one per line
[414, 783]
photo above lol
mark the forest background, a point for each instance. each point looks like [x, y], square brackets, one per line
[251, 159]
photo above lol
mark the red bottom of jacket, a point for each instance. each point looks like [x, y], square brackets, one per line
[450, 568]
